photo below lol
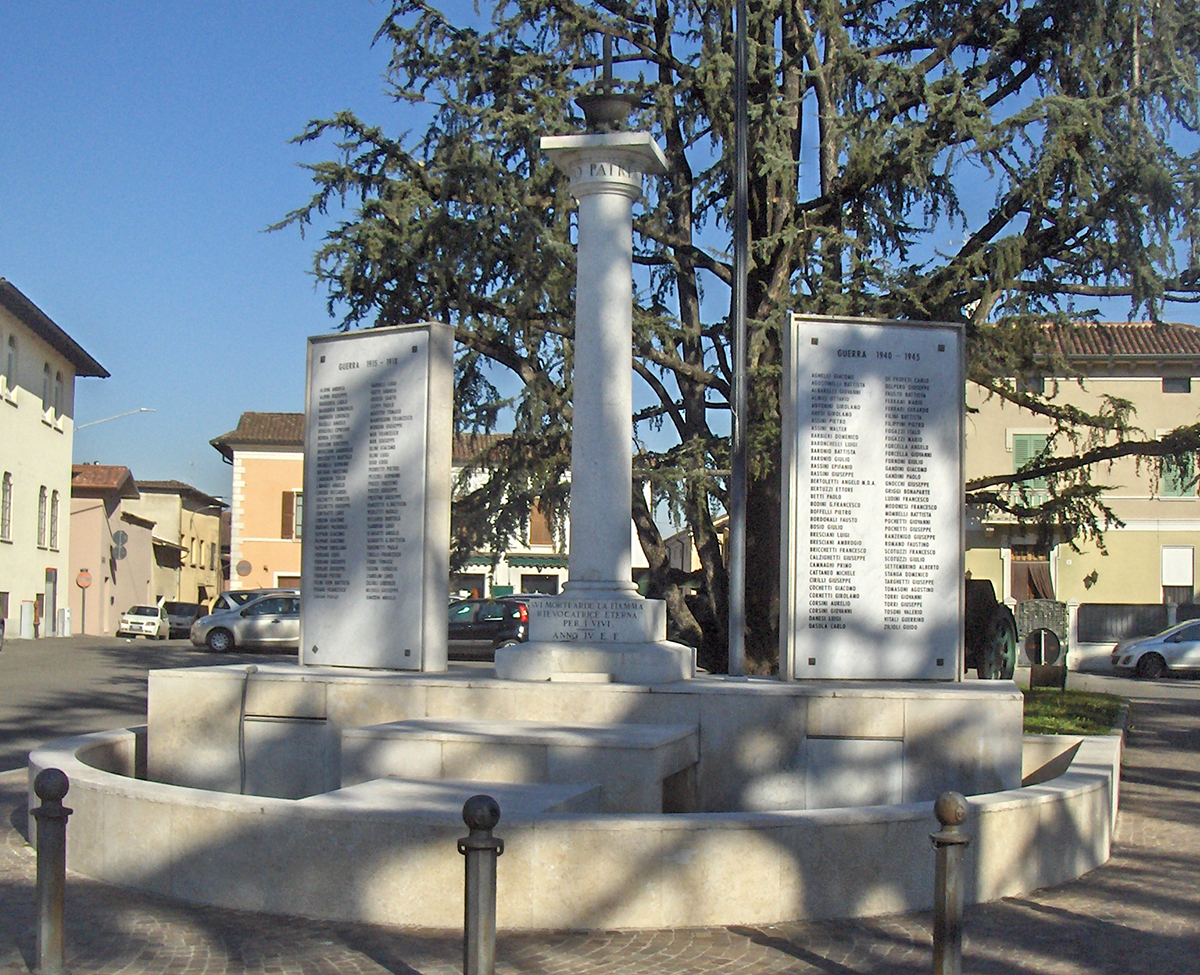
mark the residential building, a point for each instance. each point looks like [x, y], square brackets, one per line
[111, 547]
[266, 451]
[39, 363]
[1151, 556]
[536, 562]
[187, 539]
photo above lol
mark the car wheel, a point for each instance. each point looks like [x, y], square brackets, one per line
[220, 641]
[1151, 666]
[507, 643]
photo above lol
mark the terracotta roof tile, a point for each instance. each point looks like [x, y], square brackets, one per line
[1112, 339]
[182, 488]
[263, 430]
[103, 477]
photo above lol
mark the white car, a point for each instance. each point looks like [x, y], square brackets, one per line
[1176, 648]
[147, 621]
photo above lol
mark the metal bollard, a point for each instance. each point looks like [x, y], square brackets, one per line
[50, 786]
[950, 842]
[481, 848]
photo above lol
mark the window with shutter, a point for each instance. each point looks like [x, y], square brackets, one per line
[288, 521]
[1178, 478]
[1026, 448]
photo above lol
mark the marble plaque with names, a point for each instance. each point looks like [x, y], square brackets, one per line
[376, 528]
[622, 619]
[873, 520]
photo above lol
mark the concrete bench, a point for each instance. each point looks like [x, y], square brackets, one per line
[640, 768]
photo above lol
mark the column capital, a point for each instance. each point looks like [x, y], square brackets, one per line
[611, 162]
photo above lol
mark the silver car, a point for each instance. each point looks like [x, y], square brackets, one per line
[1176, 648]
[269, 621]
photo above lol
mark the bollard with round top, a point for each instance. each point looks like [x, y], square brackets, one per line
[950, 842]
[51, 785]
[481, 814]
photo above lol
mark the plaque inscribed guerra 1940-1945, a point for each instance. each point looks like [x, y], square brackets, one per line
[873, 500]
[376, 531]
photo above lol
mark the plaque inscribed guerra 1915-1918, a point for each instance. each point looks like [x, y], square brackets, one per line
[376, 531]
[873, 500]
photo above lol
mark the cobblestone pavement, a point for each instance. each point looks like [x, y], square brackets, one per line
[1138, 913]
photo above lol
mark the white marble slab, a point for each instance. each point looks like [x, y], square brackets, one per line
[873, 522]
[376, 525]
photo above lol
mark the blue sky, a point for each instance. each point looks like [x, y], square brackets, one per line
[143, 150]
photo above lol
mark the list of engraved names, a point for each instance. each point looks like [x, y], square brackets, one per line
[852, 482]
[908, 507]
[343, 435]
[331, 504]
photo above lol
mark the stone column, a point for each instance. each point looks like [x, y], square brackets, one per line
[606, 178]
[600, 628]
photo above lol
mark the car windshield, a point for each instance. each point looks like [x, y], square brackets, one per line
[180, 608]
[142, 611]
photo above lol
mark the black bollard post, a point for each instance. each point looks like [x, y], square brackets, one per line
[481, 848]
[50, 786]
[950, 842]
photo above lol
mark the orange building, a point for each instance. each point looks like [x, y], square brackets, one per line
[267, 454]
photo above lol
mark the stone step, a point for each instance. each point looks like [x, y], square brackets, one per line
[640, 767]
[443, 800]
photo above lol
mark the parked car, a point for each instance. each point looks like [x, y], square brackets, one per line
[478, 626]
[234, 598]
[181, 616]
[1175, 648]
[148, 621]
[272, 620]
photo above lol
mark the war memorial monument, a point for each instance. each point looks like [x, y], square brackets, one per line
[634, 792]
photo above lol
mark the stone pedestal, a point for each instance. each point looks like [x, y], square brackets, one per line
[601, 628]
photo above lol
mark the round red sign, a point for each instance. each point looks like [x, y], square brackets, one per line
[84, 579]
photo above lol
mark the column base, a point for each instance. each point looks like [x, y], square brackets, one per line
[662, 662]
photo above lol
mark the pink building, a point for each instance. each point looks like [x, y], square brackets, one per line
[110, 546]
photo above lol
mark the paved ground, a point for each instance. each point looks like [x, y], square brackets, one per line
[57, 687]
[1139, 913]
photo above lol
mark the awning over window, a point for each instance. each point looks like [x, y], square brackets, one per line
[538, 561]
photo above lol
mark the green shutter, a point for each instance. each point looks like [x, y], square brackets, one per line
[1026, 448]
[1177, 478]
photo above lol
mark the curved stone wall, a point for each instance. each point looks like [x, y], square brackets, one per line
[319, 858]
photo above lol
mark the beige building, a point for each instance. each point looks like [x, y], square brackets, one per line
[267, 503]
[187, 539]
[1151, 557]
[38, 366]
[112, 548]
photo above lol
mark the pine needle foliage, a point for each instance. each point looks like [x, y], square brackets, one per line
[1056, 138]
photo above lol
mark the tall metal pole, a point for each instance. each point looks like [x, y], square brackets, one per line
[741, 260]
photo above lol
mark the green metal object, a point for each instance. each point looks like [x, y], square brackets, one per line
[998, 656]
